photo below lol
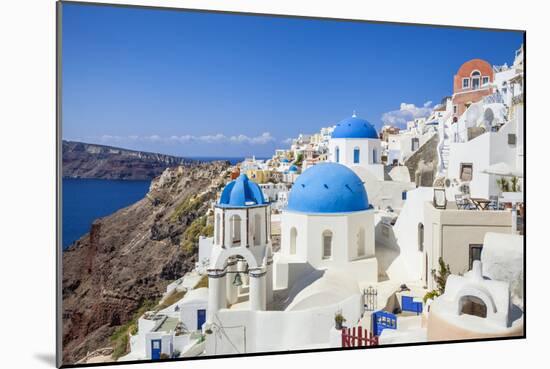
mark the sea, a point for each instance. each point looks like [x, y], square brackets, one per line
[85, 200]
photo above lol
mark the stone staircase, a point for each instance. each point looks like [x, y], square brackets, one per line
[443, 147]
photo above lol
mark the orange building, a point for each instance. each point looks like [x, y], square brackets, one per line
[472, 82]
[235, 173]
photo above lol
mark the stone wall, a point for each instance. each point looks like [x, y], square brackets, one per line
[422, 164]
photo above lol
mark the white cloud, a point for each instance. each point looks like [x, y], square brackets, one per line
[217, 138]
[406, 113]
[288, 141]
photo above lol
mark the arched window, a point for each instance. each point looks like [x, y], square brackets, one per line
[356, 155]
[293, 237]
[472, 305]
[218, 230]
[257, 229]
[337, 154]
[420, 237]
[327, 244]
[235, 222]
[475, 79]
[361, 242]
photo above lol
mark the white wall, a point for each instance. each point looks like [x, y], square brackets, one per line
[188, 312]
[381, 193]
[502, 259]
[344, 228]
[366, 158]
[484, 150]
[279, 330]
[408, 264]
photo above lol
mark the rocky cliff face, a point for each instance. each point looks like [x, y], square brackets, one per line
[83, 160]
[422, 164]
[129, 257]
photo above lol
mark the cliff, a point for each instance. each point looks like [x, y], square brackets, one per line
[128, 258]
[83, 160]
[422, 164]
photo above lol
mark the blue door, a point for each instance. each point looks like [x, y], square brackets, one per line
[156, 346]
[408, 304]
[201, 318]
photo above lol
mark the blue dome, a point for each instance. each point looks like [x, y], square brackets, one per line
[240, 193]
[354, 128]
[285, 160]
[328, 188]
[293, 168]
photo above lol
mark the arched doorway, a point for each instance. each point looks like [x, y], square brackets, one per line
[218, 229]
[361, 242]
[257, 229]
[472, 305]
[420, 237]
[235, 222]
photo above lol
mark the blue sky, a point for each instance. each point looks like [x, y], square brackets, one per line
[205, 84]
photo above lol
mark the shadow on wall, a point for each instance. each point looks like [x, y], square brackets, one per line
[300, 276]
[387, 249]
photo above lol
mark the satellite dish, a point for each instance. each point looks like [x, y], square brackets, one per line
[473, 114]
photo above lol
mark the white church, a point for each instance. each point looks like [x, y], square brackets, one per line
[355, 144]
[288, 299]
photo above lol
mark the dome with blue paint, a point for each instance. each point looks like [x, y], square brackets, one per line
[354, 128]
[328, 188]
[293, 169]
[285, 160]
[241, 192]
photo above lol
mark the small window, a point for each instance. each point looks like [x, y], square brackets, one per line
[415, 143]
[356, 155]
[337, 155]
[455, 109]
[474, 254]
[293, 237]
[361, 242]
[465, 82]
[420, 237]
[466, 172]
[485, 80]
[404, 195]
[327, 244]
[511, 138]
[374, 156]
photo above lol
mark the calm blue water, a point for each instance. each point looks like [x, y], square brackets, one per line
[85, 200]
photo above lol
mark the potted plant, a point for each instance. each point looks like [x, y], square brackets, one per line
[339, 320]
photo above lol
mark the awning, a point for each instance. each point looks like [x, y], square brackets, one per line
[502, 169]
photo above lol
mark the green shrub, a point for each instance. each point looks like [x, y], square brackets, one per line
[188, 205]
[190, 237]
[203, 282]
[440, 280]
[173, 298]
[120, 336]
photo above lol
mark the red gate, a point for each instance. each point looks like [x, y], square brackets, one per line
[358, 337]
